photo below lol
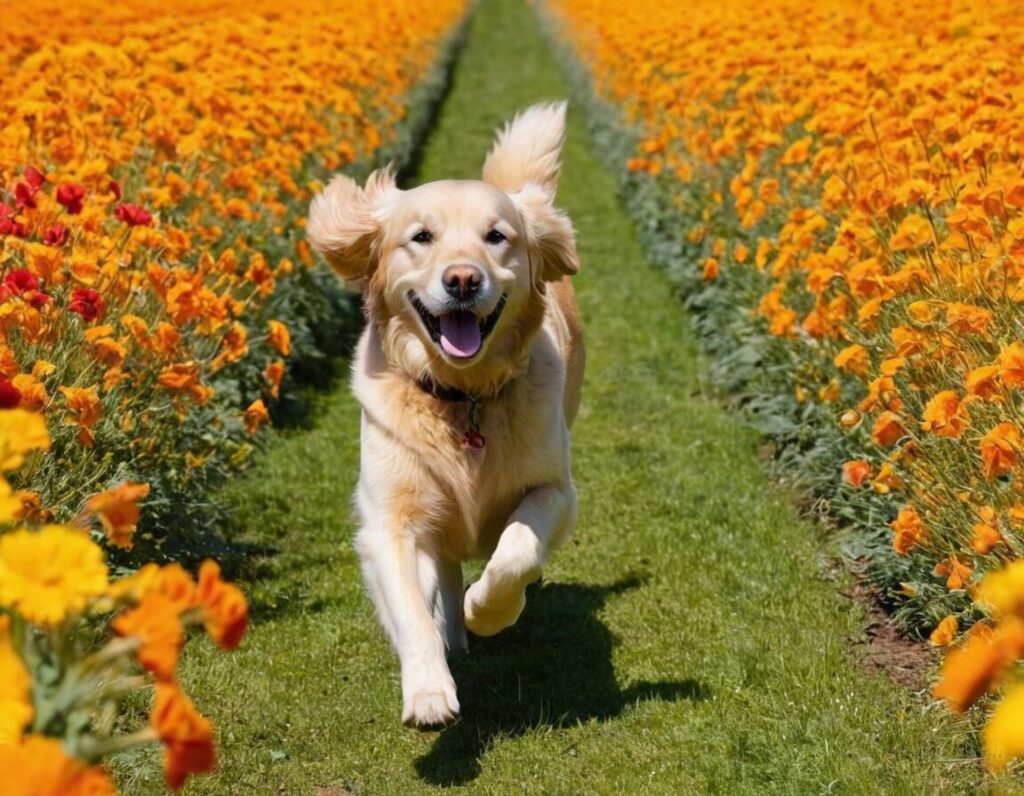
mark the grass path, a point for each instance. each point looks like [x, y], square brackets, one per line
[684, 642]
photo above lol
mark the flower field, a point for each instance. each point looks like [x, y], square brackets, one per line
[157, 305]
[839, 191]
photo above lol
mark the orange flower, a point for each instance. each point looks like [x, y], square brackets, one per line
[968, 671]
[157, 626]
[985, 535]
[853, 359]
[944, 415]
[944, 632]
[85, 409]
[279, 338]
[225, 610]
[709, 269]
[854, 472]
[118, 511]
[983, 383]
[957, 574]
[233, 346]
[888, 429]
[256, 415]
[274, 373]
[909, 529]
[1000, 450]
[183, 377]
[1011, 365]
[38, 766]
[174, 583]
[186, 734]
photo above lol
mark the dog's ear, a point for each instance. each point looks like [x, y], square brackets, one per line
[524, 162]
[550, 237]
[346, 222]
[528, 150]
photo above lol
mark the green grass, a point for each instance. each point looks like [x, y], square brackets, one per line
[685, 641]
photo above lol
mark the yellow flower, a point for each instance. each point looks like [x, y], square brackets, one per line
[21, 432]
[1003, 591]
[47, 574]
[1003, 736]
[15, 689]
[279, 338]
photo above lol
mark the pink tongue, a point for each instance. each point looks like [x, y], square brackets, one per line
[460, 334]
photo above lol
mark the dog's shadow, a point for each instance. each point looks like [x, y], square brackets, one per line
[552, 669]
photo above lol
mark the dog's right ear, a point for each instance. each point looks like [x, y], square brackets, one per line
[346, 222]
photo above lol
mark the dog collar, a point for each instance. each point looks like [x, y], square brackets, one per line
[472, 438]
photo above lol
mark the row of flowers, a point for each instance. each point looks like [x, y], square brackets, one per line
[158, 304]
[840, 191]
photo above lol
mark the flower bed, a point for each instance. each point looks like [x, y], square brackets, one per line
[158, 304]
[839, 192]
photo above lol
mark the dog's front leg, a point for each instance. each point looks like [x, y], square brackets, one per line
[396, 570]
[543, 520]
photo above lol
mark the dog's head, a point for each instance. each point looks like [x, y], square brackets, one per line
[454, 271]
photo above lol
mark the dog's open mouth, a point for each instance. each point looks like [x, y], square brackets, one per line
[460, 333]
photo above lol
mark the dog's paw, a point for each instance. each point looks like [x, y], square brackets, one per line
[486, 614]
[431, 708]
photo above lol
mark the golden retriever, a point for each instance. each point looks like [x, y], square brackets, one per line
[468, 373]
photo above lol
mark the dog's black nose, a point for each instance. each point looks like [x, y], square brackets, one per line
[462, 281]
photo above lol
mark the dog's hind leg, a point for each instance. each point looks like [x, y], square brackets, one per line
[541, 522]
[392, 566]
[441, 578]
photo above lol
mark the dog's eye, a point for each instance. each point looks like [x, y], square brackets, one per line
[423, 236]
[494, 237]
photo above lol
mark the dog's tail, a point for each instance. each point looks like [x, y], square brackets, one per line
[528, 150]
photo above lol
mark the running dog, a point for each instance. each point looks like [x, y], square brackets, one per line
[468, 373]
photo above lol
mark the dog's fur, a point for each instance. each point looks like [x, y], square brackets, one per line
[425, 501]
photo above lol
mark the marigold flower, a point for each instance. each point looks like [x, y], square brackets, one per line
[1011, 365]
[279, 338]
[157, 626]
[984, 536]
[853, 359]
[1002, 591]
[956, 572]
[15, 689]
[855, 472]
[47, 574]
[85, 409]
[944, 632]
[274, 373]
[944, 415]
[38, 766]
[888, 429]
[969, 670]
[909, 529]
[256, 415]
[225, 609]
[118, 511]
[1000, 450]
[21, 432]
[186, 734]
[1003, 736]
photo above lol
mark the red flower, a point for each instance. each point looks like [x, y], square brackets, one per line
[87, 303]
[8, 226]
[38, 298]
[5, 211]
[20, 280]
[115, 188]
[133, 215]
[57, 235]
[71, 195]
[10, 396]
[34, 177]
[24, 195]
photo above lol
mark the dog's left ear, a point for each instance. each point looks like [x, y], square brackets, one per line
[524, 162]
[550, 236]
